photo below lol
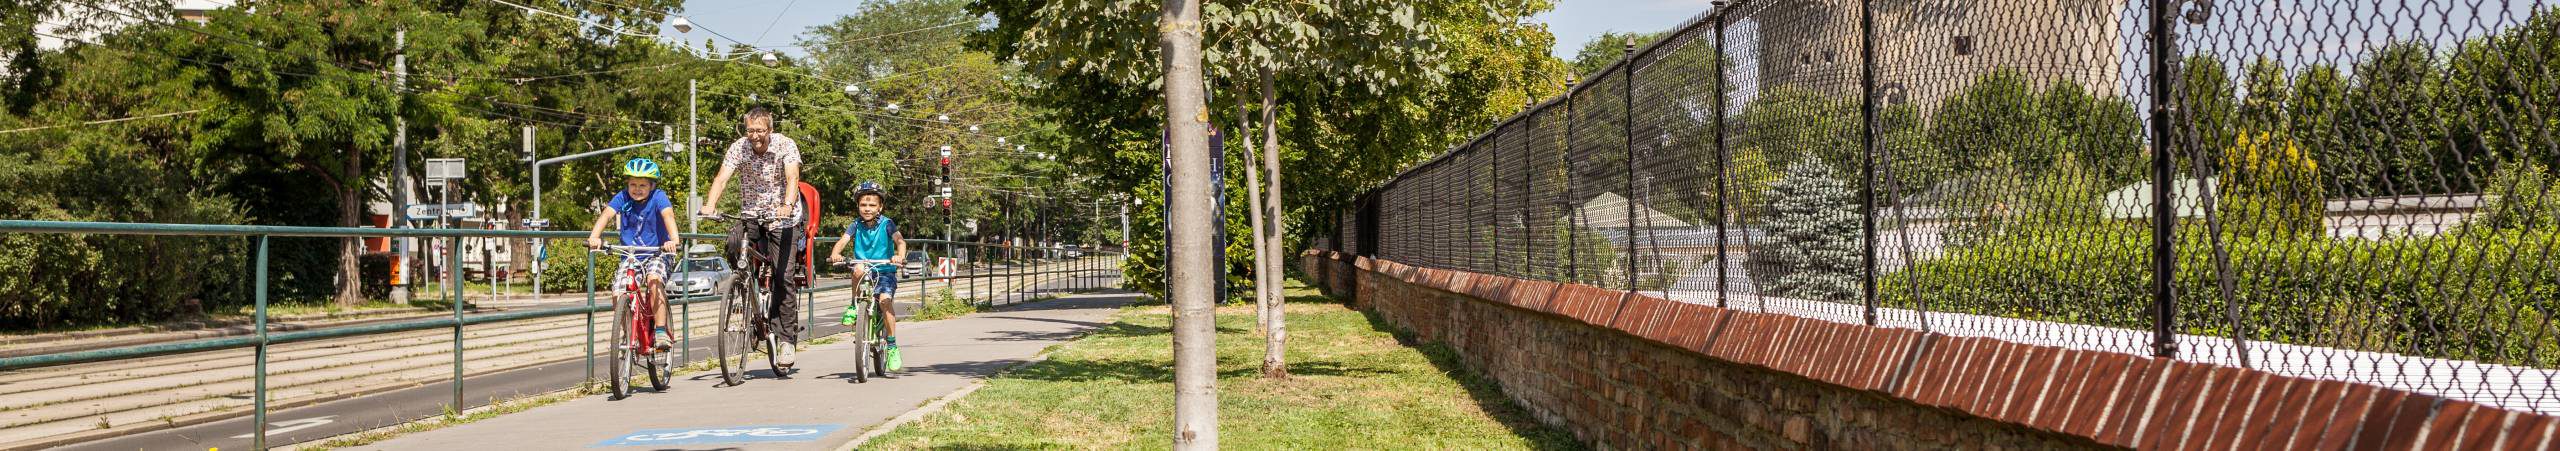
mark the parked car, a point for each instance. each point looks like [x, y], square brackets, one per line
[1074, 252]
[917, 261]
[696, 276]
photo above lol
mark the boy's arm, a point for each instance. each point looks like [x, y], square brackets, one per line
[838, 253]
[675, 236]
[899, 237]
[595, 235]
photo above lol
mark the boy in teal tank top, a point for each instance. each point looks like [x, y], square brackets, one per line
[876, 237]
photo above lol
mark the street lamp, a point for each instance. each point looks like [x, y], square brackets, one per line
[772, 57]
[893, 107]
[942, 117]
[852, 89]
[682, 25]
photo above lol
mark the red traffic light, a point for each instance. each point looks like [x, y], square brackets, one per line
[946, 161]
[946, 203]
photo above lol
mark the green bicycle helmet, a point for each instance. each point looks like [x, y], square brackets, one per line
[640, 167]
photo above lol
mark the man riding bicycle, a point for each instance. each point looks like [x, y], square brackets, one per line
[875, 238]
[644, 217]
[766, 165]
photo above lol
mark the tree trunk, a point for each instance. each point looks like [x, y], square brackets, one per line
[1261, 246]
[351, 214]
[1274, 352]
[1192, 261]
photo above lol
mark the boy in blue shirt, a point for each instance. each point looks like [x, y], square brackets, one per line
[645, 218]
[876, 237]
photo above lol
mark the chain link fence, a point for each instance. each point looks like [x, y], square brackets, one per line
[2354, 191]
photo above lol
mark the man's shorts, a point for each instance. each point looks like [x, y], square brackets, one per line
[650, 266]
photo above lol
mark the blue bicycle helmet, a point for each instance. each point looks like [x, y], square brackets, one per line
[870, 188]
[640, 167]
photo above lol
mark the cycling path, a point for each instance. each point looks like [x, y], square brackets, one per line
[816, 408]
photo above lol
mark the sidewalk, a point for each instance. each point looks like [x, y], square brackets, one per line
[817, 408]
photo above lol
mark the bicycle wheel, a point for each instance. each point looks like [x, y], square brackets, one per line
[618, 365]
[730, 344]
[653, 362]
[861, 339]
[767, 325]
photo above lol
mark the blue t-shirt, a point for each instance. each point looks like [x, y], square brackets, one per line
[640, 223]
[871, 241]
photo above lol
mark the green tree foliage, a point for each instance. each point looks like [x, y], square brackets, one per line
[2521, 196]
[1815, 233]
[287, 117]
[2270, 186]
[1364, 87]
[1605, 49]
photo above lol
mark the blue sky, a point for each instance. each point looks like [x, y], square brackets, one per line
[775, 22]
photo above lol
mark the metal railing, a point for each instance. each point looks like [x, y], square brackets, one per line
[2164, 177]
[988, 284]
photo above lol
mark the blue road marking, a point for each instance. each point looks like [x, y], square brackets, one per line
[733, 434]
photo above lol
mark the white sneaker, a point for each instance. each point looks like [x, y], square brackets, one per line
[787, 357]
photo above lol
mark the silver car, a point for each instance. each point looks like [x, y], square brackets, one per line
[916, 261]
[696, 276]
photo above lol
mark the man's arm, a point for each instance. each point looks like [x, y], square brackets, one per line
[719, 183]
[791, 188]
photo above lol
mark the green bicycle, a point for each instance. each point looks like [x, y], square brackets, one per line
[860, 314]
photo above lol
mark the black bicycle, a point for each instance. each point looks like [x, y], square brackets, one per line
[744, 325]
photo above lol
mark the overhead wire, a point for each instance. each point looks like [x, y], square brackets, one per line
[102, 122]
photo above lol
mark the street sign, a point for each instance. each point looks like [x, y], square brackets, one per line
[444, 168]
[427, 212]
[537, 224]
[946, 266]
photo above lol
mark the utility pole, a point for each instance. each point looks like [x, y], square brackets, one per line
[537, 210]
[400, 168]
[692, 143]
[1192, 263]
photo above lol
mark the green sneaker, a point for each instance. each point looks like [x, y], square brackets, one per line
[894, 361]
[849, 315]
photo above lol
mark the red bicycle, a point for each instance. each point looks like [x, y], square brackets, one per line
[633, 346]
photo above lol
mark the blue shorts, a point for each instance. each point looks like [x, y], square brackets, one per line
[885, 280]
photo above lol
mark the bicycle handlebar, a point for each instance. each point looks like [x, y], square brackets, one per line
[632, 251]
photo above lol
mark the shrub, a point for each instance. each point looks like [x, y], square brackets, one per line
[2484, 296]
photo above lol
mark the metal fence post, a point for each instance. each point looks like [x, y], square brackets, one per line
[1627, 134]
[1724, 167]
[261, 409]
[1572, 239]
[2164, 263]
[1867, 144]
[591, 316]
[454, 269]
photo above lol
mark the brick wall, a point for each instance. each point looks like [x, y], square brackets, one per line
[1632, 371]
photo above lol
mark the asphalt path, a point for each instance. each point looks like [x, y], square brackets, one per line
[329, 419]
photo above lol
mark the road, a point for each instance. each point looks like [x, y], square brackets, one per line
[134, 397]
[819, 408]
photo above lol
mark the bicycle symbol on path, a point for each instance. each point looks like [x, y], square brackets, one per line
[733, 434]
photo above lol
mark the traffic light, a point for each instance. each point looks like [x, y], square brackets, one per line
[945, 182]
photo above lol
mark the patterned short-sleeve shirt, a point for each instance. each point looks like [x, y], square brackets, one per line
[760, 175]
